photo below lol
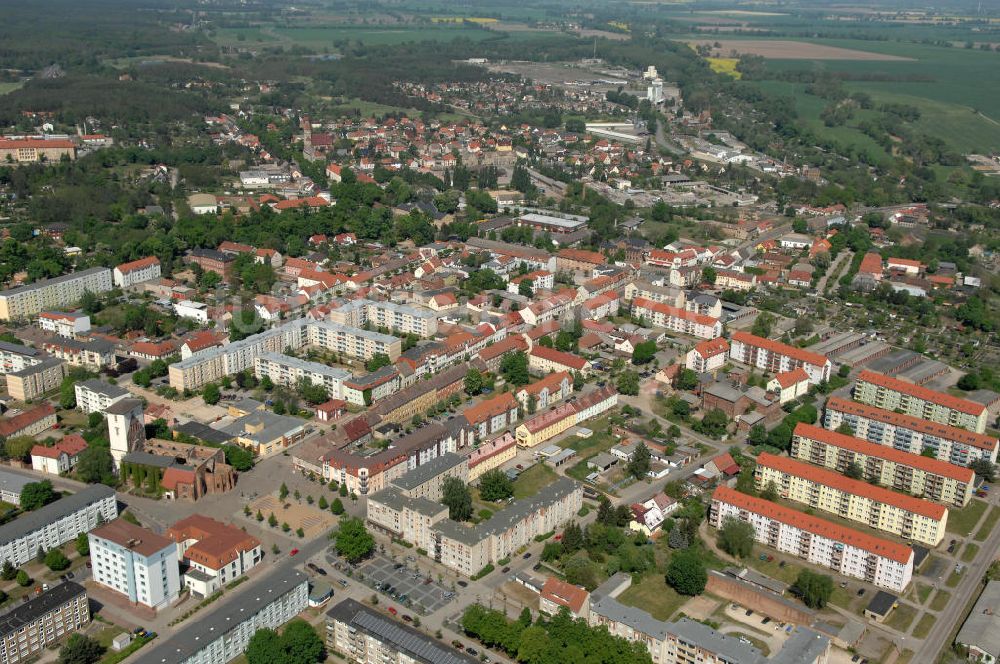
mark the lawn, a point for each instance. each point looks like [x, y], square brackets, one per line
[969, 552]
[600, 441]
[320, 37]
[941, 600]
[654, 596]
[953, 579]
[923, 627]
[9, 87]
[923, 592]
[532, 480]
[988, 525]
[901, 617]
[964, 520]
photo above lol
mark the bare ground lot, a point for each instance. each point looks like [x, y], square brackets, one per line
[777, 49]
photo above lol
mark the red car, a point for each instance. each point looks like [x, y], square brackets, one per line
[392, 610]
[293, 552]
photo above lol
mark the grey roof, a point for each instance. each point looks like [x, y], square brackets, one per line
[397, 636]
[272, 426]
[297, 363]
[505, 519]
[730, 647]
[13, 482]
[248, 404]
[982, 627]
[8, 347]
[370, 380]
[881, 603]
[804, 645]
[320, 590]
[637, 619]
[92, 344]
[394, 499]
[24, 614]
[32, 521]
[724, 391]
[102, 387]
[197, 635]
[39, 367]
[425, 472]
[567, 453]
[892, 363]
[602, 460]
[123, 407]
[57, 280]
[203, 432]
[141, 458]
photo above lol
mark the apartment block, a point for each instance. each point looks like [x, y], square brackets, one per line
[903, 471]
[877, 507]
[93, 353]
[38, 379]
[30, 300]
[39, 623]
[888, 393]
[373, 387]
[63, 324]
[850, 552]
[223, 634]
[551, 423]
[543, 360]
[137, 272]
[676, 319]
[285, 370]
[93, 396]
[30, 422]
[56, 523]
[776, 357]
[366, 636]
[135, 562]
[707, 356]
[548, 391]
[398, 318]
[910, 434]
[491, 454]
[15, 357]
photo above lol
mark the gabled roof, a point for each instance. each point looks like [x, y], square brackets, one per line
[564, 594]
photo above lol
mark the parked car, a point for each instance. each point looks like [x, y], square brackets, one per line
[527, 555]
[407, 618]
[393, 610]
[505, 570]
[472, 651]
[464, 584]
[293, 552]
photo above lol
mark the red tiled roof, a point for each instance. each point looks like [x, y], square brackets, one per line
[559, 357]
[12, 425]
[905, 262]
[843, 441]
[788, 378]
[552, 381]
[564, 594]
[133, 537]
[14, 143]
[550, 417]
[139, 264]
[218, 543]
[939, 398]
[673, 312]
[954, 434]
[815, 525]
[847, 485]
[583, 256]
[779, 348]
[712, 347]
[510, 344]
[871, 264]
[492, 407]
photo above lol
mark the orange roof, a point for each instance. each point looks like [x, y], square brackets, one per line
[583, 256]
[954, 434]
[14, 143]
[779, 348]
[559, 357]
[861, 446]
[673, 312]
[552, 381]
[139, 264]
[939, 398]
[218, 543]
[871, 264]
[12, 425]
[161, 349]
[550, 417]
[510, 344]
[845, 484]
[815, 525]
[712, 347]
[788, 378]
[492, 407]
[132, 537]
[174, 476]
[200, 341]
[905, 261]
[564, 594]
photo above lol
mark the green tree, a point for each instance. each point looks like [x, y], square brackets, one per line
[687, 379]
[353, 541]
[708, 275]
[264, 647]
[283, 492]
[524, 288]
[455, 495]
[644, 352]
[18, 447]
[854, 471]
[770, 491]
[628, 383]
[239, 457]
[9, 572]
[474, 382]
[686, 573]
[272, 520]
[985, 469]
[56, 561]
[300, 644]
[494, 485]
[211, 394]
[96, 465]
[37, 494]
[514, 367]
[757, 435]
[377, 361]
[337, 507]
[736, 537]
[640, 461]
[814, 589]
[23, 579]
[80, 649]
[763, 324]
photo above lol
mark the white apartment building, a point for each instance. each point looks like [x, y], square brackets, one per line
[910, 434]
[676, 319]
[398, 318]
[855, 500]
[56, 523]
[707, 356]
[890, 393]
[776, 357]
[216, 552]
[196, 311]
[27, 301]
[136, 563]
[137, 272]
[15, 357]
[288, 371]
[93, 395]
[850, 552]
[223, 634]
[63, 324]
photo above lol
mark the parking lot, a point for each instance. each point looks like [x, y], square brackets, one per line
[401, 582]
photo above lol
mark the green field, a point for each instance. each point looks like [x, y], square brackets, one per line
[959, 103]
[318, 38]
[9, 87]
